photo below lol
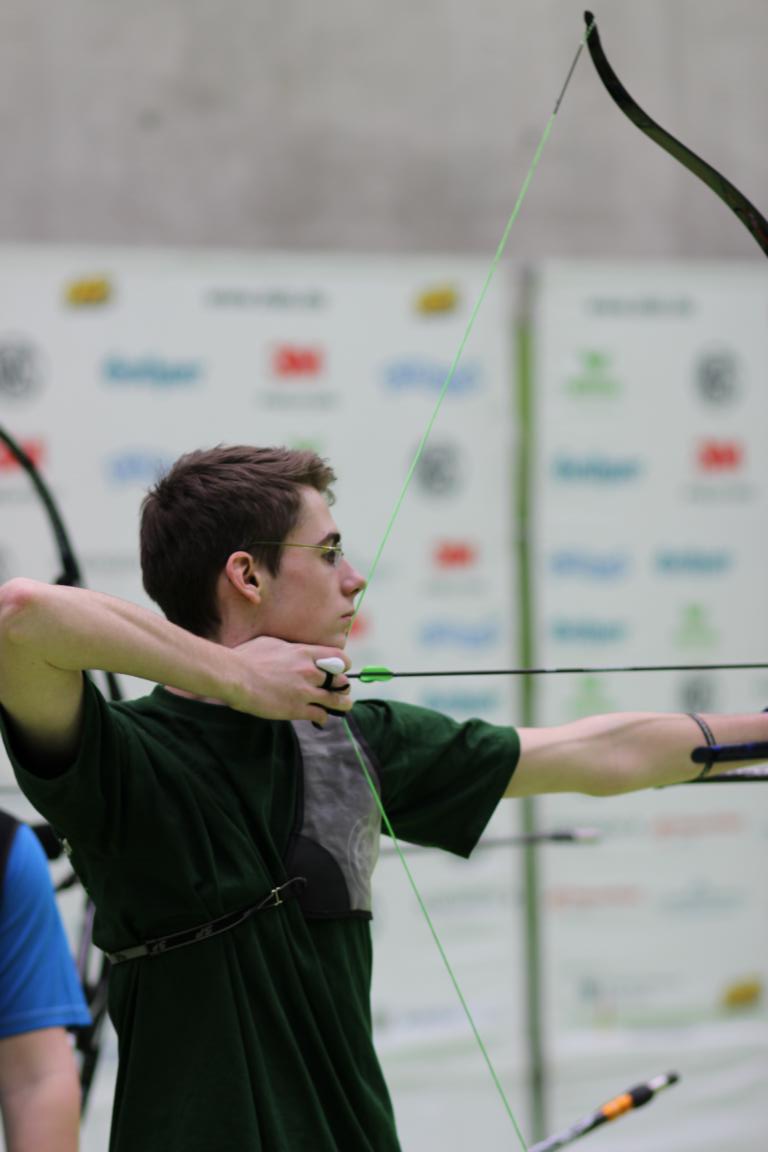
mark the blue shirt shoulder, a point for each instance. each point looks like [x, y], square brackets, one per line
[39, 987]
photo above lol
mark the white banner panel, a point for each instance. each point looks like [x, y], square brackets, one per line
[651, 482]
[114, 362]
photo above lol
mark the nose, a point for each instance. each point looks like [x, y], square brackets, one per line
[353, 581]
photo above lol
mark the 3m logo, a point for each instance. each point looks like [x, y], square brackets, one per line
[455, 554]
[292, 360]
[720, 455]
[35, 449]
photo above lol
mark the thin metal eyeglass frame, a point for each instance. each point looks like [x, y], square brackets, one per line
[336, 549]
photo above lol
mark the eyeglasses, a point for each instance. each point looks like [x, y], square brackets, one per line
[334, 552]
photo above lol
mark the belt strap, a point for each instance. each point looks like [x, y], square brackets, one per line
[161, 944]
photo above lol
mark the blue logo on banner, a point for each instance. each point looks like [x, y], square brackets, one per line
[152, 371]
[454, 633]
[430, 376]
[470, 703]
[588, 631]
[692, 562]
[572, 563]
[136, 467]
[596, 469]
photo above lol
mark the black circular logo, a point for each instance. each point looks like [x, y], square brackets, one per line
[718, 376]
[697, 694]
[439, 469]
[20, 368]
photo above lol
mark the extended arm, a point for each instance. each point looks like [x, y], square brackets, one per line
[621, 752]
[39, 1092]
[49, 635]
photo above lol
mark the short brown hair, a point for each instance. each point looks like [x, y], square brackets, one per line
[210, 504]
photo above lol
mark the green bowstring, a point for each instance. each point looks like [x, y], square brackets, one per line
[388, 531]
[470, 325]
[436, 938]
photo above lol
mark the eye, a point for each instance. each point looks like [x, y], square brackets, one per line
[333, 555]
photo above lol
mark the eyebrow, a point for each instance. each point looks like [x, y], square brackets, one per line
[330, 538]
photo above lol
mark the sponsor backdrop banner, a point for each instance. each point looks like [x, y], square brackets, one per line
[651, 405]
[649, 511]
[114, 362]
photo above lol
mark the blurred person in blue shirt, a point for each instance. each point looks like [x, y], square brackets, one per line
[40, 998]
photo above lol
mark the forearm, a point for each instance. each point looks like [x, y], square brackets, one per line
[72, 629]
[44, 1117]
[622, 752]
[39, 1092]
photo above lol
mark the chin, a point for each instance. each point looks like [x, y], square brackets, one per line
[329, 639]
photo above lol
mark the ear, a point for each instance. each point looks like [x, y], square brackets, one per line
[245, 576]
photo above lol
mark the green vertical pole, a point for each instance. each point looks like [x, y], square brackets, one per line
[532, 924]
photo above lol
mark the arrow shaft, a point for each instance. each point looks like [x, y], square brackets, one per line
[386, 674]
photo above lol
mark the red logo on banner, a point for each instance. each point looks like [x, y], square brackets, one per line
[455, 554]
[605, 896]
[35, 449]
[701, 824]
[291, 360]
[361, 626]
[720, 455]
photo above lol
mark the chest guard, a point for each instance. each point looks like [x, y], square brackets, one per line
[335, 839]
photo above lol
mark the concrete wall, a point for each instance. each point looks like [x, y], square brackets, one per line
[384, 127]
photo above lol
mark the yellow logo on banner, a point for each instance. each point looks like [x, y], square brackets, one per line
[746, 993]
[442, 298]
[88, 292]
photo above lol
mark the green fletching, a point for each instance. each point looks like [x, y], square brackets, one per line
[373, 674]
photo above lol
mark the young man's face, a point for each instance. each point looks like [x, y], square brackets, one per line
[310, 601]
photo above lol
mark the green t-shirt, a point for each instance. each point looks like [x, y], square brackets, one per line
[178, 812]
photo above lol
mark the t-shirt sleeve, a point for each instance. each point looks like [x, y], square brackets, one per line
[85, 799]
[441, 780]
[39, 987]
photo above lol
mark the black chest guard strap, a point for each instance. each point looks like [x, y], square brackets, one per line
[162, 944]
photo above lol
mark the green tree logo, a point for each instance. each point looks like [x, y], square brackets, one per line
[594, 377]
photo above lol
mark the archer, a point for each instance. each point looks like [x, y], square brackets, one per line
[222, 823]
